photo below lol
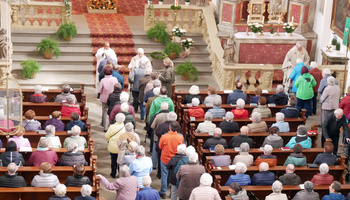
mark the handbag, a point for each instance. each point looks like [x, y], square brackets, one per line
[116, 133]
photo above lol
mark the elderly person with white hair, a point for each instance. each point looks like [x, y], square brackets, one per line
[134, 79]
[65, 93]
[11, 179]
[147, 193]
[280, 123]
[322, 178]
[220, 159]
[207, 126]
[189, 176]
[38, 96]
[184, 160]
[43, 154]
[124, 108]
[277, 192]
[126, 186]
[195, 110]
[301, 138]
[280, 98]
[273, 138]
[205, 191]
[317, 74]
[240, 178]
[264, 177]
[329, 98]
[142, 85]
[60, 193]
[267, 157]
[240, 112]
[69, 107]
[85, 191]
[149, 85]
[326, 72]
[130, 154]
[72, 156]
[243, 156]
[257, 125]
[113, 133]
[156, 103]
[151, 93]
[307, 192]
[217, 111]
[236, 141]
[124, 98]
[216, 139]
[124, 140]
[181, 149]
[228, 125]
[194, 93]
[141, 166]
[54, 141]
[135, 61]
[80, 140]
[236, 192]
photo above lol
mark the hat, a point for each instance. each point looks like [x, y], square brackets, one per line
[304, 70]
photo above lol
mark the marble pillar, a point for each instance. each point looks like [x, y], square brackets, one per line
[229, 13]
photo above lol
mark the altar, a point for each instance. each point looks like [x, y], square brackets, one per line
[264, 49]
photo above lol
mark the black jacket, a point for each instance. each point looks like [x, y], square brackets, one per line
[77, 181]
[236, 141]
[290, 112]
[290, 179]
[12, 156]
[331, 127]
[171, 167]
[229, 127]
[55, 197]
[212, 142]
[12, 181]
[188, 99]
[278, 99]
[113, 99]
[71, 159]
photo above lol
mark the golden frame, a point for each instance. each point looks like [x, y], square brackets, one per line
[334, 27]
[259, 4]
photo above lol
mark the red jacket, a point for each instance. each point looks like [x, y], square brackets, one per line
[240, 113]
[196, 112]
[322, 179]
[345, 105]
[317, 74]
[67, 109]
[39, 157]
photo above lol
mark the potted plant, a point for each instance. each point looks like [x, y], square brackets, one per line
[272, 30]
[67, 31]
[177, 32]
[174, 8]
[160, 2]
[337, 48]
[187, 43]
[48, 47]
[187, 2]
[334, 42]
[187, 71]
[30, 68]
[158, 33]
[289, 28]
[255, 28]
[173, 50]
[157, 60]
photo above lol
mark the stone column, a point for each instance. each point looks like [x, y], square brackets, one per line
[300, 10]
[5, 22]
[227, 12]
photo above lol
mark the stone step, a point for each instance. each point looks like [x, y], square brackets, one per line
[65, 51]
[198, 51]
[33, 41]
[58, 68]
[61, 60]
[43, 34]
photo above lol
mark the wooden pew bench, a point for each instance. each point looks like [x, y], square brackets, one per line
[46, 109]
[65, 120]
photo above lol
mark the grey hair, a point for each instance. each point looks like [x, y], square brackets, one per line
[157, 83]
[140, 150]
[124, 107]
[241, 167]
[38, 89]
[72, 146]
[12, 168]
[244, 130]
[189, 150]
[171, 116]
[70, 100]
[331, 80]
[218, 131]
[148, 71]
[244, 147]
[290, 167]
[142, 63]
[268, 148]
[129, 127]
[76, 130]
[195, 102]
[240, 103]
[324, 169]
[124, 171]
[326, 71]
[44, 142]
[279, 88]
[181, 148]
[256, 116]
[339, 111]
[277, 187]
[50, 130]
[60, 190]
[65, 87]
[132, 146]
[193, 157]
[309, 186]
[208, 116]
[279, 116]
[264, 166]
[124, 97]
[156, 91]
[229, 116]
[147, 181]
[217, 101]
[301, 130]
[194, 90]
[120, 117]
[313, 64]
[164, 106]
[206, 179]
[86, 190]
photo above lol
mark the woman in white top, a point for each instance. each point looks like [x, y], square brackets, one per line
[54, 141]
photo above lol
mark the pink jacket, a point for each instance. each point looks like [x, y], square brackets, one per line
[126, 187]
[106, 87]
[20, 141]
[39, 157]
[116, 110]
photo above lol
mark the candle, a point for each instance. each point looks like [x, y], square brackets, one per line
[176, 2]
[293, 19]
[248, 19]
[279, 20]
[263, 20]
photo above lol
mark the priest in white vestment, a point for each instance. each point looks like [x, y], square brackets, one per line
[101, 54]
[134, 63]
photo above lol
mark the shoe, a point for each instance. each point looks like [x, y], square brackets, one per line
[112, 175]
[162, 195]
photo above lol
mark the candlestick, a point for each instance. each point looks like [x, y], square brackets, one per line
[263, 20]
[279, 20]
[293, 19]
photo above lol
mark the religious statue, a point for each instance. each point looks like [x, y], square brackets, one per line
[199, 19]
[5, 44]
[201, 2]
[229, 49]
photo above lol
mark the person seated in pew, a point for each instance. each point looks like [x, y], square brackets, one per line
[280, 98]
[11, 155]
[147, 193]
[130, 155]
[217, 111]
[280, 123]
[290, 178]
[65, 94]
[277, 192]
[204, 190]
[240, 178]
[327, 156]
[207, 126]
[274, 139]
[38, 96]
[300, 138]
[211, 96]
[69, 107]
[124, 108]
[257, 125]
[235, 95]
[216, 139]
[55, 121]
[11, 179]
[72, 156]
[54, 141]
[228, 125]
[60, 193]
[85, 191]
[19, 139]
[220, 159]
[307, 192]
[256, 97]
[30, 124]
[45, 177]
[75, 120]
[267, 157]
[323, 178]
[236, 192]
[240, 112]
[4, 123]
[264, 177]
[334, 192]
[290, 110]
[80, 140]
[78, 179]
[195, 110]
[236, 141]
[43, 154]
[265, 111]
[243, 155]
[194, 93]
[296, 158]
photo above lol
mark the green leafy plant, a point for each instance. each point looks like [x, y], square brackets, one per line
[337, 46]
[187, 43]
[256, 27]
[334, 41]
[176, 31]
[158, 31]
[29, 68]
[271, 28]
[289, 27]
[173, 7]
[158, 55]
[67, 30]
[187, 70]
[48, 45]
[187, 1]
[172, 47]
[161, 0]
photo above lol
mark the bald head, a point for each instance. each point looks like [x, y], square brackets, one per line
[338, 113]
[217, 132]
[290, 168]
[106, 45]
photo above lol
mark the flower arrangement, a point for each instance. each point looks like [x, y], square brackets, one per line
[256, 27]
[272, 29]
[187, 43]
[173, 7]
[176, 31]
[289, 27]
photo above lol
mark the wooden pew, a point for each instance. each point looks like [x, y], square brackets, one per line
[65, 120]
[46, 109]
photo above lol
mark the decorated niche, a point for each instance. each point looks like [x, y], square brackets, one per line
[256, 9]
[277, 9]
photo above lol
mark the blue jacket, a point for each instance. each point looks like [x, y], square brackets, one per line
[283, 126]
[305, 143]
[119, 77]
[85, 198]
[296, 73]
[263, 178]
[217, 112]
[232, 98]
[334, 196]
[147, 193]
[79, 123]
[241, 179]
[254, 99]
[102, 64]
[290, 112]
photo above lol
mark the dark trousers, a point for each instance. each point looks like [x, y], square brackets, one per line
[314, 103]
[304, 104]
[335, 142]
[114, 164]
[135, 103]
